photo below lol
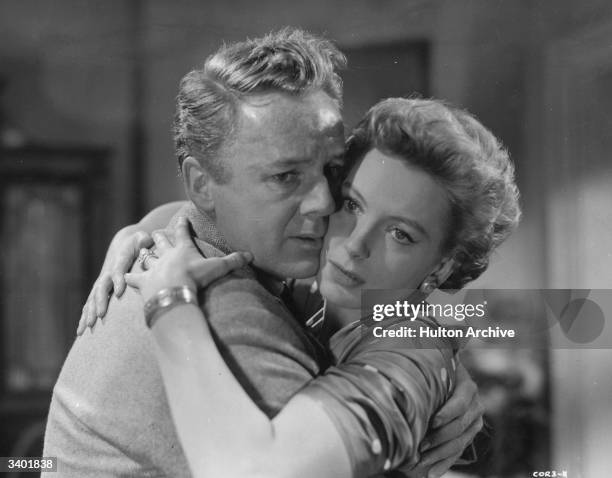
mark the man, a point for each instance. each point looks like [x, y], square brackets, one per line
[259, 138]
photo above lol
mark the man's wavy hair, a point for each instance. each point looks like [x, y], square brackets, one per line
[289, 61]
[464, 157]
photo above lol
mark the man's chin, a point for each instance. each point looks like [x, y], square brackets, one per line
[300, 269]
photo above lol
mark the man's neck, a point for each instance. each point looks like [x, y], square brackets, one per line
[206, 230]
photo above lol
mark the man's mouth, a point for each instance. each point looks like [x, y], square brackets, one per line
[345, 276]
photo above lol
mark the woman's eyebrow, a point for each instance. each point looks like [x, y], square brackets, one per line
[353, 190]
[413, 223]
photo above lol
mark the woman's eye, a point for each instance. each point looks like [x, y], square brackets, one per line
[350, 205]
[401, 236]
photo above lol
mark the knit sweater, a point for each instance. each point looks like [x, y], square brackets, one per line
[109, 415]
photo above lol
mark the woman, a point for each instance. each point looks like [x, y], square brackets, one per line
[429, 195]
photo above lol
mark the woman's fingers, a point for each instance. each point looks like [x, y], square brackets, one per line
[461, 402]
[440, 459]
[124, 263]
[441, 467]
[457, 428]
[119, 282]
[134, 279]
[92, 313]
[143, 239]
[182, 232]
[83, 320]
[145, 258]
[126, 257]
[161, 241]
[102, 292]
[208, 270]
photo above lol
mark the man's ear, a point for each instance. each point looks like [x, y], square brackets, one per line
[198, 184]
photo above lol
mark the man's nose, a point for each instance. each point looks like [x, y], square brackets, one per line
[356, 244]
[319, 200]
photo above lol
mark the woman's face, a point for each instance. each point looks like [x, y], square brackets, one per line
[388, 233]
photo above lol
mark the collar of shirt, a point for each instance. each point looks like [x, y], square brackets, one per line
[206, 230]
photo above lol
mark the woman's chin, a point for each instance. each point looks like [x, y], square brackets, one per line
[339, 296]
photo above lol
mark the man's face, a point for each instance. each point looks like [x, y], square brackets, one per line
[277, 199]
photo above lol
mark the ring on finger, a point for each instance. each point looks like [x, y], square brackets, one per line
[144, 255]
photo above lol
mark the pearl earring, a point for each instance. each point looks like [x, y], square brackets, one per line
[427, 287]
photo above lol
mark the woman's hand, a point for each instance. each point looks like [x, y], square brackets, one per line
[454, 427]
[122, 253]
[182, 264]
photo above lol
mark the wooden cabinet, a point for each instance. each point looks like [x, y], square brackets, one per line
[53, 209]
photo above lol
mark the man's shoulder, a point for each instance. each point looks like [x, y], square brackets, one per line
[240, 301]
[110, 395]
[117, 349]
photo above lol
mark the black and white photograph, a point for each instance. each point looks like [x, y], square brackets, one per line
[327, 239]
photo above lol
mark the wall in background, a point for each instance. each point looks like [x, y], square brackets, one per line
[68, 65]
[567, 130]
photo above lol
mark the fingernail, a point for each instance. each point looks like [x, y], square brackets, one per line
[247, 256]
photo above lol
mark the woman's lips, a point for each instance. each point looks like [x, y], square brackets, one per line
[344, 276]
[309, 242]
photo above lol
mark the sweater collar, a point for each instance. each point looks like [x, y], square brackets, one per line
[206, 230]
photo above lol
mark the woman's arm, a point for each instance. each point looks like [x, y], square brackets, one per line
[222, 431]
[121, 254]
[447, 441]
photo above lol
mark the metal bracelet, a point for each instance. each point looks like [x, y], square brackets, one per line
[167, 299]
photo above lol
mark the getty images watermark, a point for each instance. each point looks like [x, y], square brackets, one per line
[515, 318]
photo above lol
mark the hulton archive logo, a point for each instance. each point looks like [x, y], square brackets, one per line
[559, 318]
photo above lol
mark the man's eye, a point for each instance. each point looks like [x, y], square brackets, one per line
[333, 171]
[401, 236]
[286, 177]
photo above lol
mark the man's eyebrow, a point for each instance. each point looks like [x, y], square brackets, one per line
[285, 163]
[291, 161]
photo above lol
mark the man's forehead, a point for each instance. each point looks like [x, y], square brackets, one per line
[314, 111]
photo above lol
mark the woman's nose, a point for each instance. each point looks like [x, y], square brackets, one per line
[356, 245]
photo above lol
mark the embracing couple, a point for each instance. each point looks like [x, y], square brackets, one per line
[252, 362]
